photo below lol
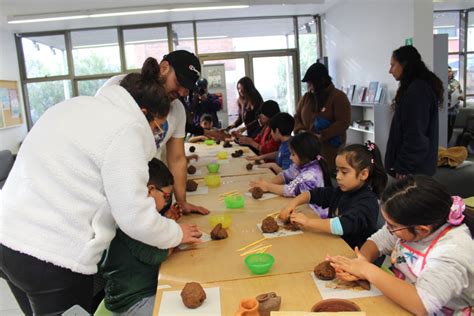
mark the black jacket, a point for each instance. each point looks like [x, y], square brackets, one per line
[412, 146]
[357, 210]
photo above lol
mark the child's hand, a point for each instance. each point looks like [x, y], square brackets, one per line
[191, 233]
[252, 158]
[174, 212]
[286, 212]
[299, 218]
[357, 267]
[260, 183]
[244, 140]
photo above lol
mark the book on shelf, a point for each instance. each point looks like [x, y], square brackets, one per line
[361, 94]
[371, 92]
[379, 94]
[351, 90]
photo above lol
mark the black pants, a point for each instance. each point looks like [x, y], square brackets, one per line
[451, 121]
[41, 288]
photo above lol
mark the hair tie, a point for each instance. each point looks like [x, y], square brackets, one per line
[371, 148]
[456, 215]
[319, 157]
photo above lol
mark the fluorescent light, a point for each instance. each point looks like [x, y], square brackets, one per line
[81, 15]
[60, 18]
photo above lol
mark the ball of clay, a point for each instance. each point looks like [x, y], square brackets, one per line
[249, 166]
[227, 144]
[269, 225]
[237, 153]
[193, 295]
[257, 193]
[335, 305]
[191, 186]
[324, 271]
[191, 169]
[218, 232]
[192, 149]
[218, 141]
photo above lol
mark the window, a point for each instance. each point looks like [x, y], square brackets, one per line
[95, 52]
[245, 35]
[470, 32]
[470, 55]
[43, 95]
[143, 43]
[45, 56]
[448, 23]
[308, 45]
[183, 36]
[89, 87]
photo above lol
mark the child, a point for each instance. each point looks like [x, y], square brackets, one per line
[263, 143]
[281, 126]
[430, 240]
[308, 171]
[131, 267]
[206, 124]
[353, 206]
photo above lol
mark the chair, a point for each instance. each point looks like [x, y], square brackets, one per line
[6, 163]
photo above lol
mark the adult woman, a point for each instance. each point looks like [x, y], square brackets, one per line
[324, 110]
[412, 145]
[249, 103]
[82, 170]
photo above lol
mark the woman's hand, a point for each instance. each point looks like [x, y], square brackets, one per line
[299, 218]
[356, 267]
[260, 183]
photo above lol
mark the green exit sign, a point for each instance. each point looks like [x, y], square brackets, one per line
[409, 41]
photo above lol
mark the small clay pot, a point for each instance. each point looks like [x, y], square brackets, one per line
[237, 153]
[191, 169]
[257, 193]
[193, 295]
[335, 305]
[267, 303]
[324, 271]
[218, 232]
[269, 225]
[249, 166]
[248, 307]
[192, 149]
[191, 186]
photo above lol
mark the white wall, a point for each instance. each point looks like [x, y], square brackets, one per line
[11, 137]
[361, 35]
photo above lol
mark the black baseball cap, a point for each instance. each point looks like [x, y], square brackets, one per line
[315, 72]
[186, 66]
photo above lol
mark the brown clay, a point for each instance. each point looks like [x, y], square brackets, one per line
[267, 303]
[218, 141]
[257, 193]
[248, 307]
[218, 232]
[258, 162]
[249, 166]
[191, 169]
[269, 225]
[227, 144]
[291, 226]
[237, 153]
[363, 284]
[192, 149]
[335, 305]
[191, 186]
[324, 271]
[193, 295]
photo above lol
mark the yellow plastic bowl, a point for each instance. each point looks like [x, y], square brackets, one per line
[212, 180]
[224, 219]
[222, 155]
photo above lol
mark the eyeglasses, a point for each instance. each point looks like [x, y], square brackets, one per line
[167, 196]
[391, 229]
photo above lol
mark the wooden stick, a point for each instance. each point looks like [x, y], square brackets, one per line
[274, 213]
[257, 250]
[250, 245]
[227, 193]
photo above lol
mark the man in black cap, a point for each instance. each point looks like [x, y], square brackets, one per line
[179, 71]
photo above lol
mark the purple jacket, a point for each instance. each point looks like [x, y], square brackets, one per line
[304, 178]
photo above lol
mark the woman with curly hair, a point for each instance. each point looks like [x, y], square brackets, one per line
[412, 146]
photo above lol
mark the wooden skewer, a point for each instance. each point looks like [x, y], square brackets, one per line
[250, 245]
[257, 250]
[227, 193]
[274, 213]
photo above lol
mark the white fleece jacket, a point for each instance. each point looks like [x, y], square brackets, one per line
[81, 170]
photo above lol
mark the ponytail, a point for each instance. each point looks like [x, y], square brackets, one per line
[367, 156]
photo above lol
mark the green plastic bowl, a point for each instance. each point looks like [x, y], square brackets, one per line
[259, 263]
[213, 167]
[235, 201]
[212, 180]
[209, 142]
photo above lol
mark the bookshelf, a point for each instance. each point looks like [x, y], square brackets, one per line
[380, 115]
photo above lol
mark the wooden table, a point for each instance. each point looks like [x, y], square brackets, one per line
[297, 290]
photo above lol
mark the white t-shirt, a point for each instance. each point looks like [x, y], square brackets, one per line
[173, 127]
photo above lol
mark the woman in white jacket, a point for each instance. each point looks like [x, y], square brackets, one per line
[81, 171]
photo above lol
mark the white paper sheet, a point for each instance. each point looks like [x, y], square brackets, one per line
[327, 292]
[265, 196]
[281, 231]
[204, 238]
[172, 305]
[201, 190]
